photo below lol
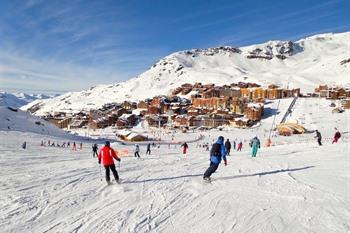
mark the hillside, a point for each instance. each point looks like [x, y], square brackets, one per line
[305, 63]
[13, 119]
[17, 100]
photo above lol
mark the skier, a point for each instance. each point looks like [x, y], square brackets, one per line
[24, 145]
[234, 144]
[319, 137]
[81, 146]
[228, 146]
[254, 144]
[184, 148]
[337, 135]
[64, 144]
[106, 155]
[148, 151]
[68, 144]
[74, 146]
[240, 145]
[217, 152]
[137, 150]
[94, 150]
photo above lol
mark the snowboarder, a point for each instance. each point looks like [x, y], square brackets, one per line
[24, 145]
[137, 150]
[337, 135]
[106, 155]
[74, 146]
[254, 144]
[184, 148]
[217, 152]
[240, 145]
[228, 146]
[94, 150]
[319, 137]
[148, 151]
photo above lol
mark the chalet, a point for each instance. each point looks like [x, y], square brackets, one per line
[230, 92]
[142, 105]
[156, 121]
[121, 124]
[131, 119]
[78, 123]
[153, 110]
[254, 111]
[213, 121]
[181, 120]
[241, 122]
[134, 137]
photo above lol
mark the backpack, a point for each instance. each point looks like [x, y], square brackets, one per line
[216, 149]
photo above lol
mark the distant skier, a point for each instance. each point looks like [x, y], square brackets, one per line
[94, 150]
[68, 144]
[240, 145]
[255, 145]
[64, 144]
[81, 146]
[217, 152]
[24, 145]
[319, 137]
[234, 144]
[228, 146]
[148, 151]
[337, 135]
[137, 150]
[74, 146]
[106, 155]
[42, 143]
[184, 148]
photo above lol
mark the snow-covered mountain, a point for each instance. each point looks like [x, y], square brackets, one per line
[13, 119]
[20, 99]
[318, 59]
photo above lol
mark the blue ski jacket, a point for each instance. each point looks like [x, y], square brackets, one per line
[217, 159]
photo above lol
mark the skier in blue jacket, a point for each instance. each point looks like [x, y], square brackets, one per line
[217, 152]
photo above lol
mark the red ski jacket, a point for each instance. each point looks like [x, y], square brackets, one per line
[106, 155]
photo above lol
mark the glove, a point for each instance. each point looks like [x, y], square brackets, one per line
[99, 161]
[118, 159]
[225, 162]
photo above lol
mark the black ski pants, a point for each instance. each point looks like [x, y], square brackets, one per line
[94, 153]
[319, 142]
[115, 173]
[137, 154]
[211, 169]
[148, 152]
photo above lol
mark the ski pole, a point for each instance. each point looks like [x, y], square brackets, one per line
[100, 172]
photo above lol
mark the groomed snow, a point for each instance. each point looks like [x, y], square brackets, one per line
[295, 186]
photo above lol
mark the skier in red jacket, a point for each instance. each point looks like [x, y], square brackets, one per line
[107, 154]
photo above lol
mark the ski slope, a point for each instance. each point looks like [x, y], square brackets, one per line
[294, 186]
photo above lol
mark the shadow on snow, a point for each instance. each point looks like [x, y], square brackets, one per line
[220, 178]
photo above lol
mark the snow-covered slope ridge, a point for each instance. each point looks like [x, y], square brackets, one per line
[13, 119]
[20, 99]
[305, 63]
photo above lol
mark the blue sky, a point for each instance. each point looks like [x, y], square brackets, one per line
[54, 46]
